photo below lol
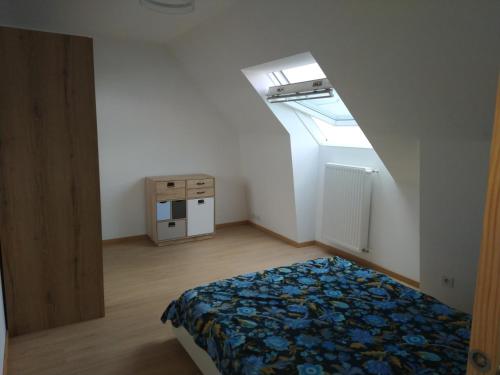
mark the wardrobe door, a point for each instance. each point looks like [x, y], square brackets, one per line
[50, 228]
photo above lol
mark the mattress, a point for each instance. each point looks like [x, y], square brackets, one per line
[323, 316]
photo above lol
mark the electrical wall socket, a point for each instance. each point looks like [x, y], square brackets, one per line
[448, 281]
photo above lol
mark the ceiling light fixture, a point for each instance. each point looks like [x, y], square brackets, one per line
[169, 6]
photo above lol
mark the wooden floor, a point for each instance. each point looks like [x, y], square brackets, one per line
[140, 279]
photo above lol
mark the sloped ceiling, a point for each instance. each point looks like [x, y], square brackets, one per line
[125, 19]
[406, 70]
[411, 68]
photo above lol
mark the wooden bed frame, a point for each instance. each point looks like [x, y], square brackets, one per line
[197, 354]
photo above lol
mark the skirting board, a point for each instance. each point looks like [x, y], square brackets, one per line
[231, 224]
[281, 237]
[114, 241]
[341, 253]
[368, 264]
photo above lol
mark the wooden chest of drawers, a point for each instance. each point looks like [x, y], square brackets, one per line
[180, 208]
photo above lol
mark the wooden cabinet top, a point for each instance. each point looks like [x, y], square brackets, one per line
[198, 176]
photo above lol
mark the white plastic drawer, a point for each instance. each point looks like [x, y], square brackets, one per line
[163, 210]
[200, 216]
[170, 230]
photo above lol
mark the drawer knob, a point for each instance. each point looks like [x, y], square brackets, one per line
[200, 183]
[200, 192]
[170, 184]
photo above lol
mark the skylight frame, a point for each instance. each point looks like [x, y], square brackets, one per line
[314, 72]
[279, 78]
[337, 121]
[354, 140]
[287, 73]
[298, 105]
[341, 132]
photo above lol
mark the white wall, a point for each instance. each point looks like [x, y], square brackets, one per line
[289, 191]
[454, 176]
[153, 121]
[394, 239]
[267, 171]
[304, 154]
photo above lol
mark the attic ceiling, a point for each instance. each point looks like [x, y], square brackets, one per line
[125, 19]
[399, 68]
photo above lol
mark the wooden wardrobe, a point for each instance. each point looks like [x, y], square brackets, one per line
[50, 226]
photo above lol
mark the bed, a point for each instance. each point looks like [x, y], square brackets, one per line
[323, 316]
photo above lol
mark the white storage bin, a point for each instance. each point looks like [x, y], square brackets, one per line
[163, 210]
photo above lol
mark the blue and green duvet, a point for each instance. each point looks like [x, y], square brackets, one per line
[324, 316]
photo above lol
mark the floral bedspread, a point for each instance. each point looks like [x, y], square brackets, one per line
[324, 316]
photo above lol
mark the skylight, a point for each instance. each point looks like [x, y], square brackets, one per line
[342, 136]
[303, 73]
[332, 108]
[333, 122]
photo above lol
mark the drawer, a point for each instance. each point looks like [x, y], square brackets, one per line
[200, 216]
[171, 230]
[200, 193]
[172, 195]
[164, 186]
[194, 184]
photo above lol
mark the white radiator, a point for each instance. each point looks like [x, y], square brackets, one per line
[346, 206]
